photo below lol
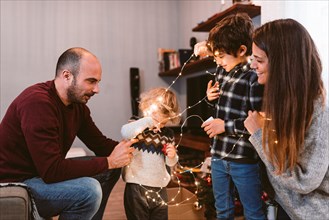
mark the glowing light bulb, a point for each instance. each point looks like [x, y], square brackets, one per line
[153, 108]
[160, 99]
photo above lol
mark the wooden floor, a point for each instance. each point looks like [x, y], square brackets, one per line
[115, 209]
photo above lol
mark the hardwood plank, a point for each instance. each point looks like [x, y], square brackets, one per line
[115, 209]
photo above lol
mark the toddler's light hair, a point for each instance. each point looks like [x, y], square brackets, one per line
[166, 101]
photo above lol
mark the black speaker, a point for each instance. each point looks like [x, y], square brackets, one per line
[134, 90]
[192, 42]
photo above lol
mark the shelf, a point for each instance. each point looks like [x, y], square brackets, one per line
[251, 10]
[201, 143]
[192, 67]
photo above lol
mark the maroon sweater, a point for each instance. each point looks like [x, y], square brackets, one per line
[37, 132]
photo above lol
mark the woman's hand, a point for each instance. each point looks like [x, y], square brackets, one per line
[254, 121]
[214, 127]
[212, 91]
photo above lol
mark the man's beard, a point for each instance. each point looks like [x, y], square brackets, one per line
[73, 94]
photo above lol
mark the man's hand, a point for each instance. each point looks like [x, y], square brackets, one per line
[254, 121]
[214, 127]
[122, 154]
[212, 91]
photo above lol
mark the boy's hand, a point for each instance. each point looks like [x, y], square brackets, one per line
[201, 49]
[214, 127]
[212, 91]
[169, 150]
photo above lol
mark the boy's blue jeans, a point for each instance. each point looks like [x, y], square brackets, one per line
[80, 198]
[246, 178]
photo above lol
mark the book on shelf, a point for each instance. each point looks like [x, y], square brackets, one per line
[168, 59]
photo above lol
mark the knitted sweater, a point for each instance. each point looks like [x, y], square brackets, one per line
[38, 130]
[148, 166]
[304, 192]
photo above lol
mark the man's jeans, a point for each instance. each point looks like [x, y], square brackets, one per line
[246, 178]
[81, 198]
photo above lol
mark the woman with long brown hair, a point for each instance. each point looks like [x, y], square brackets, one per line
[291, 134]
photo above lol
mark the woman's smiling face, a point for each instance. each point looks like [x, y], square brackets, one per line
[259, 63]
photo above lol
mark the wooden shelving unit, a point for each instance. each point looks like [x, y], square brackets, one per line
[207, 63]
[190, 68]
[251, 10]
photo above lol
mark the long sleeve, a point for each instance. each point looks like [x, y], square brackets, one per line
[48, 139]
[132, 129]
[312, 164]
[303, 192]
[252, 103]
[93, 138]
[239, 93]
[148, 166]
[38, 130]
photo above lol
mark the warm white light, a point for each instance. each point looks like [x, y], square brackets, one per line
[153, 107]
[160, 99]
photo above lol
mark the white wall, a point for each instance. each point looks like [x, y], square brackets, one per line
[312, 14]
[122, 34]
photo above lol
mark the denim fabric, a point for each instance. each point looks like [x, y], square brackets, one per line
[81, 198]
[246, 178]
[139, 207]
[107, 179]
[72, 199]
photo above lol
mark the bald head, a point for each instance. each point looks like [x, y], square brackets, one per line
[71, 60]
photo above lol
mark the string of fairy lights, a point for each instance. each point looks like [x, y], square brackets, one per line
[155, 195]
